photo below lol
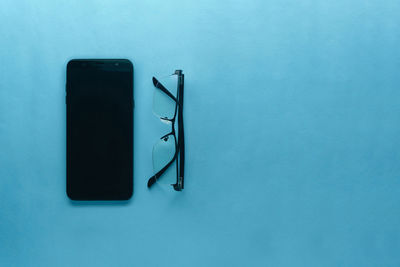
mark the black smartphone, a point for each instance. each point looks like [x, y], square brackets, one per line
[99, 103]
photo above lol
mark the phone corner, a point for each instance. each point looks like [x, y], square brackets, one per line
[70, 196]
[129, 195]
[69, 62]
[129, 63]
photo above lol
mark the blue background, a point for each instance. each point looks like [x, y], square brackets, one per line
[292, 129]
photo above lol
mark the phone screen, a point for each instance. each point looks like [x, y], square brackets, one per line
[99, 98]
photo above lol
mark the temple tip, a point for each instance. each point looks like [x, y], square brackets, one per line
[151, 181]
[155, 81]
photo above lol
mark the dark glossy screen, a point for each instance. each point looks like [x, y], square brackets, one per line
[99, 129]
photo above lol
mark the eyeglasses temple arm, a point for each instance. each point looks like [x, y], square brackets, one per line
[158, 85]
[181, 136]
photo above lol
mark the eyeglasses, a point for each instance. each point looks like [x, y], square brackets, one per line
[170, 149]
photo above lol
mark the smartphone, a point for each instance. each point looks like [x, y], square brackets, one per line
[99, 110]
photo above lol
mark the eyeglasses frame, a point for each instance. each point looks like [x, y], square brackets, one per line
[179, 155]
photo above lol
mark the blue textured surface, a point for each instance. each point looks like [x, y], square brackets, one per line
[292, 128]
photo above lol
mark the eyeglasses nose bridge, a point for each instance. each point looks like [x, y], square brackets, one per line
[166, 119]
